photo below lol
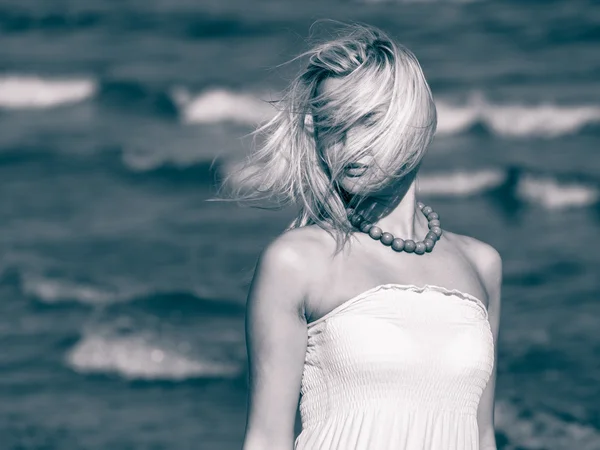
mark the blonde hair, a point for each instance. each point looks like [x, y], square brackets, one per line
[378, 77]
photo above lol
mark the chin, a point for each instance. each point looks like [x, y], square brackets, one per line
[352, 186]
[362, 186]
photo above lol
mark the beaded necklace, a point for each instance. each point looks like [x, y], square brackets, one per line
[397, 244]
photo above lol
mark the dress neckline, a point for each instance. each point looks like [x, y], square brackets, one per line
[405, 287]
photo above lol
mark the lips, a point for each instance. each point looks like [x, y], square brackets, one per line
[355, 170]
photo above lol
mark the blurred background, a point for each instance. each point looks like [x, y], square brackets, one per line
[123, 291]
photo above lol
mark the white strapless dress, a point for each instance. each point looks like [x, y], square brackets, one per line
[398, 367]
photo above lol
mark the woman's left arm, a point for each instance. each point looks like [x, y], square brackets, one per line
[492, 275]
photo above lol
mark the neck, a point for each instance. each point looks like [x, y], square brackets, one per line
[396, 214]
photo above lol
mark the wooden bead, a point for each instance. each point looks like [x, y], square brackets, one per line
[433, 216]
[387, 238]
[433, 223]
[398, 244]
[437, 231]
[420, 248]
[375, 232]
[357, 219]
[429, 243]
[365, 226]
[409, 246]
[431, 235]
[427, 210]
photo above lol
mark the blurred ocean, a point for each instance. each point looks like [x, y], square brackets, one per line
[123, 291]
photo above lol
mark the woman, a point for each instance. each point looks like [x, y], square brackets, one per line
[385, 324]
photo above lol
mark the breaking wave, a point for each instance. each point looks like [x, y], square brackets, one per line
[137, 357]
[33, 92]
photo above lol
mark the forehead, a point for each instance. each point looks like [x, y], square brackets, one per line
[360, 95]
[329, 84]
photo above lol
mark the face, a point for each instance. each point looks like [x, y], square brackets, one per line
[360, 171]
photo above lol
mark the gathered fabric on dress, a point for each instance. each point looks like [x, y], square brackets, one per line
[397, 367]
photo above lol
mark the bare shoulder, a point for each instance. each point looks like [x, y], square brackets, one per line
[486, 260]
[289, 264]
[294, 249]
[483, 255]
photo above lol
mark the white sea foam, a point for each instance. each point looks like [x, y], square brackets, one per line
[453, 119]
[459, 183]
[56, 290]
[222, 105]
[515, 120]
[552, 194]
[49, 290]
[32, 92]
[545, 191]
[136, 357]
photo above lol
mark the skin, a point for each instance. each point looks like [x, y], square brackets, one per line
[298, 280]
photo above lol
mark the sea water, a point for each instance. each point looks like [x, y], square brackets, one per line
[123, 290]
